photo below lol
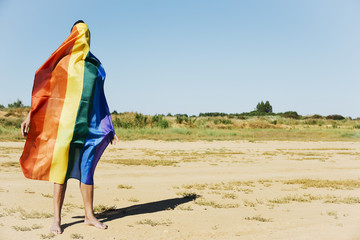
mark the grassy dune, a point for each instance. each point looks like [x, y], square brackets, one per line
[133, 126]
[307, 134]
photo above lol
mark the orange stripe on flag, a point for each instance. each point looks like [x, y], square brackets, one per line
[47, 100]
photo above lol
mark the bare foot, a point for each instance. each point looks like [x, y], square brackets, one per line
[56, 228]
[94, 222]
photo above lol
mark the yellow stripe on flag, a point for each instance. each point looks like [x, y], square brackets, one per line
[70, 108]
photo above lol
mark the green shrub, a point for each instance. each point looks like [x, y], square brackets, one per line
[212, 114]
[163, 123]
[290, 114]
[222, 121]
[140, 120]
[159, 120]
[16, 104]
[317, 116]
[335, 117]
[311, 122]
[117, 122]
[15, 123]
[180, 118]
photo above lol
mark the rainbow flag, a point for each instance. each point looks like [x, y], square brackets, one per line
[70, 122]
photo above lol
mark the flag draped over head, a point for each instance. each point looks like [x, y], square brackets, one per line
[70, 122]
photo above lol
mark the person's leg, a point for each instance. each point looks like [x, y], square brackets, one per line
[59, 194]
[87, 192]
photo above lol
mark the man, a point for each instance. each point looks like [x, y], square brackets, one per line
[69, 124]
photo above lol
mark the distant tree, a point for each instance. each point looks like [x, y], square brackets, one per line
[290, 114]
[262, 107]
[317, 116]
[16, 104]
[213, 114]
[335, 117]
[2, 106]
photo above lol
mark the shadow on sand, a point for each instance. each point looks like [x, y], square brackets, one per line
[151, 207]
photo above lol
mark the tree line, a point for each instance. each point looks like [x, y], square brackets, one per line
[262, 109]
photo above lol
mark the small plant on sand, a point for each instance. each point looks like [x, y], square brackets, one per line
[229, 195]
[332, 184]
[295, 198]
[259, 218]
[248, 203]
[21, 228]
[204, 202]
[153, 223]
[345, 200]
[184, 208]
[132, 199]
[47, 236]
[76, 236]
[10, 164]
[36, 226]
[146, 162]
[68, 207]
[123, 186]
[103, 208]
[26, 215]
[190, 195]
[333, 214]
[47, 195]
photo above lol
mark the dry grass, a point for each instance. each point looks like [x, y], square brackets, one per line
[11, 164]
[187, 194]
[206, 128]
[24, 228]
[203, 202]
[295, 198]
[258, 218]
[21, 228]
[76, 236]
[333, 214]
[122, 186]
[348, 184]
[184, 208]
[23, 214]
[233, 185]
[98, 209]
[248, 203]
[29, 191]
[316, 149]
[47, 195]
[145, 162]
[344, 200]
[154, 223]
[68, 207]
[47, 236]
[132, 199]
[36, 226]
[229, 196]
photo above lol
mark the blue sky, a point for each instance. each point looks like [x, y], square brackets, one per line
[192, 56]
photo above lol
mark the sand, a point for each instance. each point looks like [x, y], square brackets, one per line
[242, 187]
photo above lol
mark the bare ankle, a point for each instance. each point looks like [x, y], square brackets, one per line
[56, 227]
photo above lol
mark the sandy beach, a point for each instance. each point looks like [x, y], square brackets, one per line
[197, 190]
